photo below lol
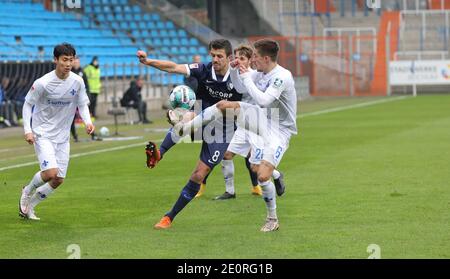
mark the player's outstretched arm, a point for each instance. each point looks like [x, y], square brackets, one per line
[166, 66]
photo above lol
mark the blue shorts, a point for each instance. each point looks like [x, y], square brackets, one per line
[212, 153]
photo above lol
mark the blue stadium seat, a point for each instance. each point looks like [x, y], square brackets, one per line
[154, 33]
[184, 41]
[170, 25]
[137, 17]
[202, 50]
[136, 9]
[176, 42]
[127, 9]
[151, 25]
[119, 17]
[174, 50]
[160, 25]
[157, 41]
[163, 33]
[155, 17]
[173, 33]
[194, 42]
[128, 17]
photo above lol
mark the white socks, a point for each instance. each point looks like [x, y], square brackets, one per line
[228, 174]
[275, 174]
[41, 194]
[35, 182]
[268, 189]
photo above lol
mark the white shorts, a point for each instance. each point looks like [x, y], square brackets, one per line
[52, 155]
[278, 145]
[244, 142]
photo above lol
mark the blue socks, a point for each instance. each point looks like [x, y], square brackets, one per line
[170, 140]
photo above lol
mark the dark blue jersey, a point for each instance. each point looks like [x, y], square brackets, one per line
[212, 88]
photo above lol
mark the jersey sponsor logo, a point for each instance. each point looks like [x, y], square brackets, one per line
[193, 66]
[277, 83]
[218, 94]
[230, 86]
[58, 103]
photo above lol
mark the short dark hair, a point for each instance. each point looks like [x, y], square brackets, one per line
[267, 47]
[221, 44]
[245, 50]
[64, 49]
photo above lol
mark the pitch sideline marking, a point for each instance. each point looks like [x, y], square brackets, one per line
[320, 112]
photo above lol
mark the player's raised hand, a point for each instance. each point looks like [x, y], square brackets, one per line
[142, 56]
[234, 63]
[29, 137]
[90, 128]
[243, 69]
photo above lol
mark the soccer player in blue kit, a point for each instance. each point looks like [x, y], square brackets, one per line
[214, 85]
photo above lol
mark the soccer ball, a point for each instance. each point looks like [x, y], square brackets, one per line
[182, 96]
[104, 131]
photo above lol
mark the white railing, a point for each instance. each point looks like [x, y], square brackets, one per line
[358, 31]
[419, 55]
[424, 14]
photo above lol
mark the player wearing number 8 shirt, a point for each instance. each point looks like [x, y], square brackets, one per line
[214, 85]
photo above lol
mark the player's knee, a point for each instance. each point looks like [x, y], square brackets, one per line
[263, 177]
[49, 175]
[198, 176]
[254, 168]
[56, 182]
[222, 105]
[228, 155]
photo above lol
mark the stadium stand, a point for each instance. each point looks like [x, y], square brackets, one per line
[111, 29]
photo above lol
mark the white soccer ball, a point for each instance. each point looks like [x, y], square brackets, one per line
[104, 131]
[182, 96]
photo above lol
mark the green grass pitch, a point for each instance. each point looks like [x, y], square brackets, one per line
[375, 174]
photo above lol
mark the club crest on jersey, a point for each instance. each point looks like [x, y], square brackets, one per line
[73, 92]
[193, 66]
[277, 83]
[45, 163]
[230, 86]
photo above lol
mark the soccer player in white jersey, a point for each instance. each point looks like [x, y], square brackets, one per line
[47, 116]
[245, 143]
[271, 87]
